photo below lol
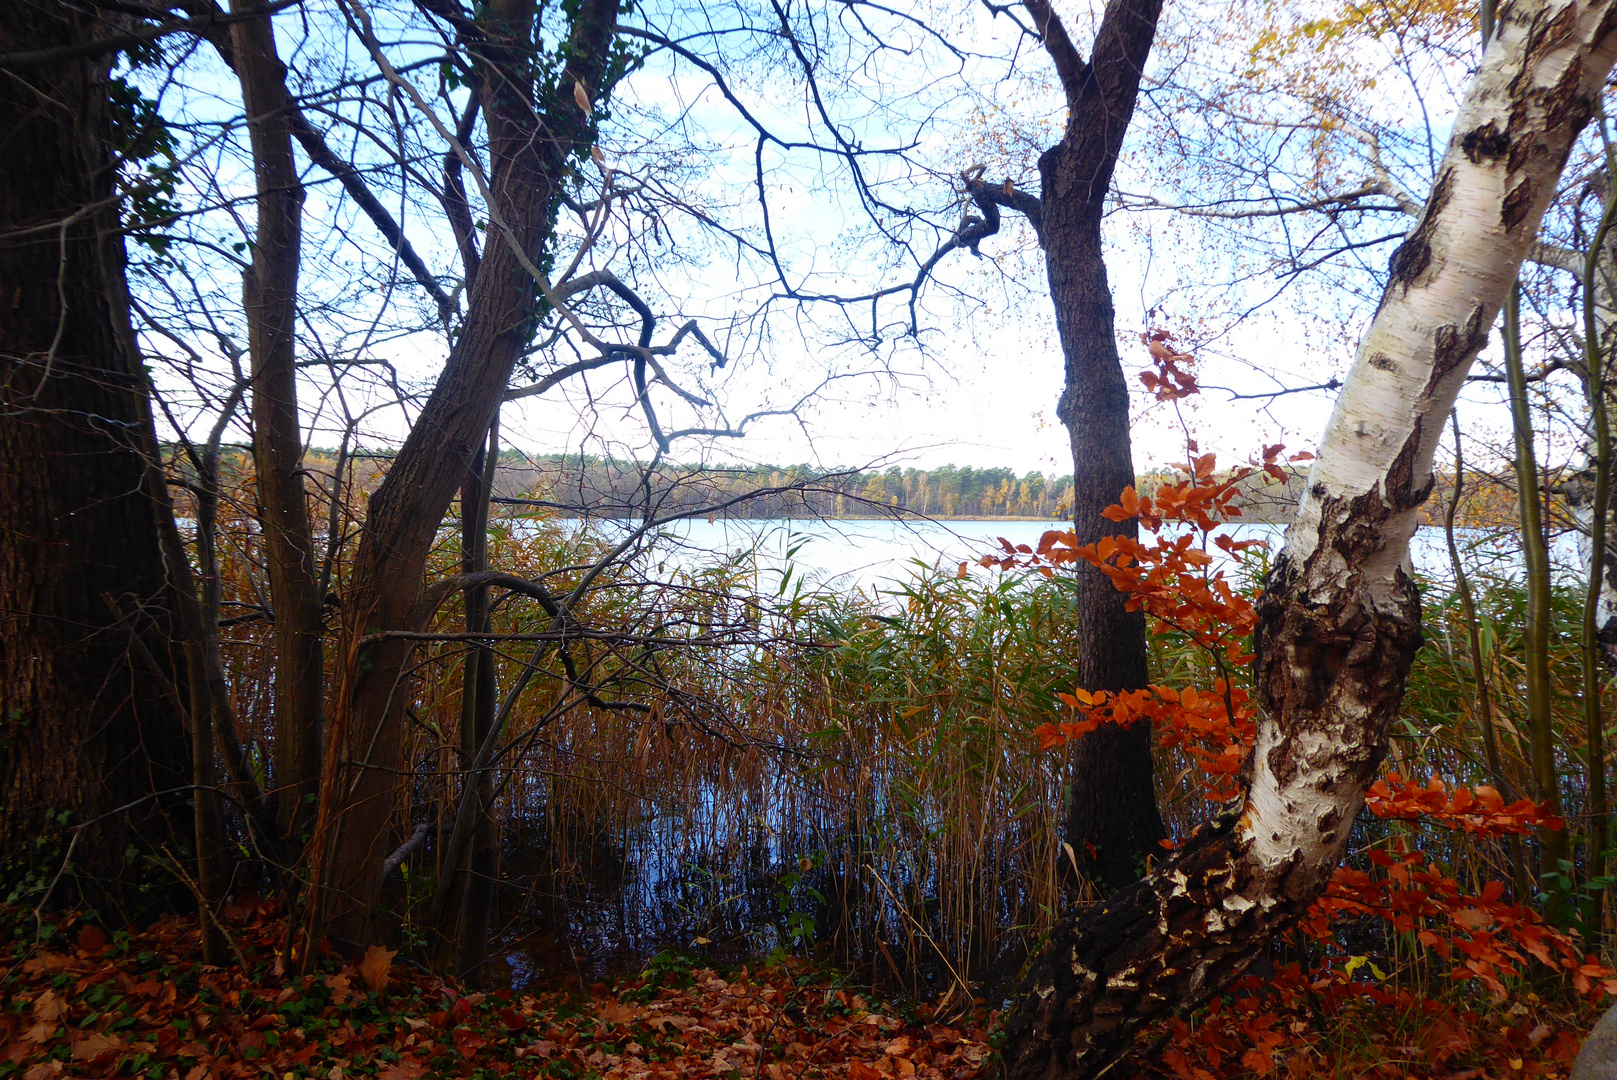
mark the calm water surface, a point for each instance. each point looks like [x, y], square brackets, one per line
[881, 554]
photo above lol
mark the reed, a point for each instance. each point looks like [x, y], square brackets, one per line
[764, 764]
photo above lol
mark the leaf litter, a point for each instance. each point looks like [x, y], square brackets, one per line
[141, 1003]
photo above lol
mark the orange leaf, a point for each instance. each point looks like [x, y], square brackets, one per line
[375, 966]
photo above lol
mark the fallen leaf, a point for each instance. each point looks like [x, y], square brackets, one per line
[44, 964]
[96, 1044]
[49, 1007]
[615, 1012]
[341, 987]
[92, 939]
[40, 1033]
[375, 966]
[406, 1069]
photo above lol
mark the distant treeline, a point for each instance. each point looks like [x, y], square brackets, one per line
[607, 486]
[581, 485]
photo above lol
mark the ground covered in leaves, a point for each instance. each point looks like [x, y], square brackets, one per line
[81, 1001]
[87, 1003]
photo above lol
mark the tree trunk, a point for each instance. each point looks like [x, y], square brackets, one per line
[88, 724]
[1339, 624]
[1112, 821]
[478, 707]
[364, 762]
[1536, 628]
[269, 294]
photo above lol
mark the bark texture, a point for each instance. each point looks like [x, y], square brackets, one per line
[90, 717]
[269, 294]
[1112, 819]
[529, 147]
[1340, 621]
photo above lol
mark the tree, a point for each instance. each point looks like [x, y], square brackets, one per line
[517, 96]
[91, 682]
[270, 302]
[1339, 623]
[1112, 824]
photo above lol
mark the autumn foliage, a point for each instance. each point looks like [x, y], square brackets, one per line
[1395, 927]
[141, 1003]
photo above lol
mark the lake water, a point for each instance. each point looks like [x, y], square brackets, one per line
[879, 554]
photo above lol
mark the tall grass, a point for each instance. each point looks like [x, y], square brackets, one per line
[769, 765]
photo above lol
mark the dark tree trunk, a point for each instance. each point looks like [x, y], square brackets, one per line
[476, 721]
[364, 761]
[92, 720]
[1112, 819]
[269, 291]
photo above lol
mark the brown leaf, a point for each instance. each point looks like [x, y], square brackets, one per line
[408, 1068]
[375, 967]
[580, 97]
[44, 964]
[96, 1044]
[45, 1070]
[92, 939]
[40, 1033]
[341, 987]
[615, 1012]
[48, 1008]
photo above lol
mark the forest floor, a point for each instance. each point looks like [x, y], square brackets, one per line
[139, 1003]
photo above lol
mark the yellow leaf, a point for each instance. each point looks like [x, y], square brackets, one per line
[582, 98]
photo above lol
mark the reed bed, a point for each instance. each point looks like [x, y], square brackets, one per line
[853, 775]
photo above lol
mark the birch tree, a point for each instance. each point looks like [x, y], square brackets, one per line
[1340, 622]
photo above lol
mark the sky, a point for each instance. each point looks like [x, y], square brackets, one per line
[983, 390]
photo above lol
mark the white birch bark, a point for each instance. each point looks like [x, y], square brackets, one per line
[1340, 620]
[1535, 90]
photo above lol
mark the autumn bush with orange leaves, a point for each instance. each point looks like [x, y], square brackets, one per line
[1184, 573]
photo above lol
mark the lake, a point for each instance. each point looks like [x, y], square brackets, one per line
[877, 554]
